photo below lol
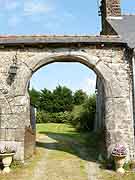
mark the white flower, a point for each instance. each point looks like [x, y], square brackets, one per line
[7, 147]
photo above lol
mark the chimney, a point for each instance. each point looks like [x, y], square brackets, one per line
[109, 9]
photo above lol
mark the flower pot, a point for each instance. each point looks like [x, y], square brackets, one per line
[119, 162]
[6, 160]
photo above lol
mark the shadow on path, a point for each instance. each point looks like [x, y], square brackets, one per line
[88, 150]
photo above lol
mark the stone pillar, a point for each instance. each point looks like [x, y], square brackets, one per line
[117, 81]
[119, 109]
[133, 69]
[99, 120]
[119, 124]
[33, 117]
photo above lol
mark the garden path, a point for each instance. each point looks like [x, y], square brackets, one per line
[58, 164]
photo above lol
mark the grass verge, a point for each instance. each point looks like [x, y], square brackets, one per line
[23, 171]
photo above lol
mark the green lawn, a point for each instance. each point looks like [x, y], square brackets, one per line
[55, 128]
[62, 129]
[91, 140]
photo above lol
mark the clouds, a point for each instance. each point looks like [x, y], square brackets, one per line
[45, 17]
[26, 7]
[73, 75]
[8, 11]
[36, 7]
[89, 84]
[15, 12]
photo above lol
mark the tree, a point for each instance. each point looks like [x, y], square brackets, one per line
[63, 99]
[46, 100]
[80, 97]
[60, 100]
[34, 97]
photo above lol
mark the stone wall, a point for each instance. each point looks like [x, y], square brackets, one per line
[111, 65]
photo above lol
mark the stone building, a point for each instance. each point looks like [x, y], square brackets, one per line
[110, 55]
[115, 23]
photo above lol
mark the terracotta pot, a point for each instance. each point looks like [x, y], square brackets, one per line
[119, 162]
[6, 160]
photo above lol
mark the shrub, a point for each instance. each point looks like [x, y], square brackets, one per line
[83, 116]
[45, 117]
[42, 117]
[61, 117]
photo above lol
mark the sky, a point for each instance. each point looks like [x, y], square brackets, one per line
[73, 75]
[56, 17]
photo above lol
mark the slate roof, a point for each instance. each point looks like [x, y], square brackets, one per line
[125, 28]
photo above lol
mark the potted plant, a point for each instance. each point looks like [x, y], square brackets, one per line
[119, 153]
[7, 150]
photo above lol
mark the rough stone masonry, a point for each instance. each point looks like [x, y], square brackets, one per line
[111, 56]
[108, 57]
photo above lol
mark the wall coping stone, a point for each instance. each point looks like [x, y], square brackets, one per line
[14, 40]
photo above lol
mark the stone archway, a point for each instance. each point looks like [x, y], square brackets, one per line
[109, 63]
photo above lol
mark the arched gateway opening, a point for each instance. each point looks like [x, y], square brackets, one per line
[56, 135]
[110, 63]
[71, 58]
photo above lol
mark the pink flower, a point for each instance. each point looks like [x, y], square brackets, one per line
[119, 150]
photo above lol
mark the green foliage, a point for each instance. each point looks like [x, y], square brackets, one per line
[60, 100]
[42, 117]
[128, 166]
[62, 106]
[63, 99]
[16, 164]
[35, 97]
[83, 116]
[80, 97]
[46, 100]
[106, 163]
[45, 117]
